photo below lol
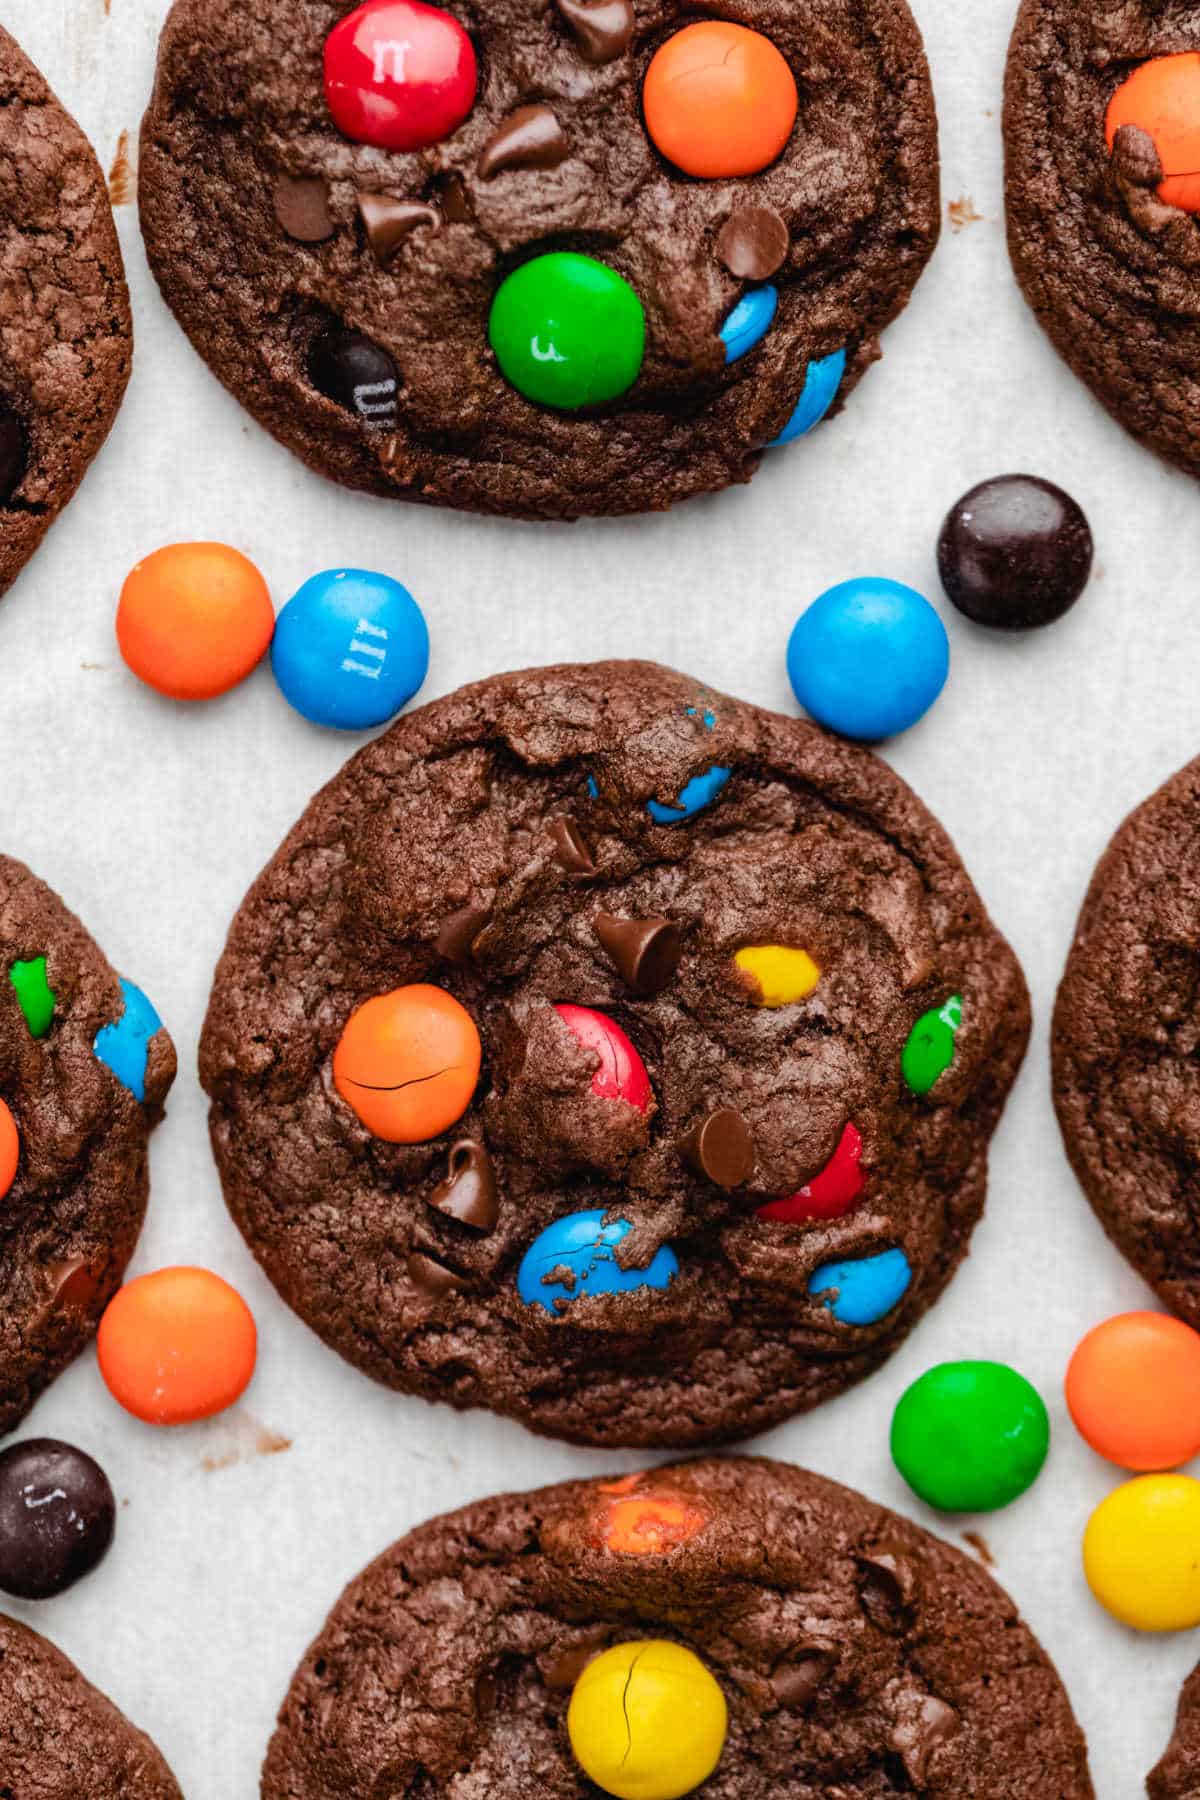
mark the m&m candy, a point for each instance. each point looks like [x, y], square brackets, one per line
[10, 1148]
[1162, 98]
[692, 798]
[350, 649]
[864, 1289]
[622, 1073]
[124, 1046]
[1133, 1390]
[929, 1048]
[1015, 553]
[822, 379]
[583, 1244]
[868, 658]
[970, 1436]
[399, 74]
[778, 974]
[57, 1516]
[407, 1063]
[1140, 1553]
[34, 994]
[177, 1346]
[832, 1191]
[647, 1721]
[568, 331]
[750, 321]
[719, 100]
[194, 620]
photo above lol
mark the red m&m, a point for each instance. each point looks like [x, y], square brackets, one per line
[399, 74]
[622, 1073]
[831, 1192]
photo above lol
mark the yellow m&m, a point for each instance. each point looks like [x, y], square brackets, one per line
[647, 1721]
[781, 975]
[1141, 1553]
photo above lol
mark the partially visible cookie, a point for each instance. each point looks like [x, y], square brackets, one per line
[1125, 1040]
[60, 1739]
[65, 328]
[1177, 1775]
[85, 1067]
[857, 1655]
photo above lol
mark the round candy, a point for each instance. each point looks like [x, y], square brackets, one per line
[650, 1524]
[399, 75]
[832, 1191]
[57, 1515]
[124, 1045]
[970, 1436]
[647, 1721]
[865, 1289]
[10, 1149]
[692, 798]
[868, 658]
[177, 1346]
[719, 100]
[779, 974]
[350, 649]
[568, 331]
[1015, 552]
[583, 1244]
[750, 321]
[1133, 1390]
[1140, 1553]
[408, 1062]
[929, 1049]
[194, 619]
[1162, 98]
[822, 380]
[622, 1073]
[356, 373]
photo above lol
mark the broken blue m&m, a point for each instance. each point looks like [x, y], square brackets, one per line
[350, 649]
[694, 796]
[750, 321]
[867, 1287]
[822, 380]
[124, 1046]
[581, 1247]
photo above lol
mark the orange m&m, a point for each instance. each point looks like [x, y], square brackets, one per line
[1162, 98]
[719, 100]
[194, 620]
[10, 1149]
[177, 1346]
[407, 1063]
[650, 1524]
[1133, 1390]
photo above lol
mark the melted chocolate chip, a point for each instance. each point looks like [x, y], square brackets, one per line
[565, 1668]
[389, 223]
[721, 1149]
[888, 1587]
[14, 453]
[530, 138]
[645, 952]
[753, 242]
[71, 1287]
[455, 200]
[570, 849]
[795, 1683]
[468, 1193]
[355, 373]
[302, 208]
[602, 29]
[924, 1723]
[1015, 553]
[432, 1277]
[57, 1515]
[458, 932]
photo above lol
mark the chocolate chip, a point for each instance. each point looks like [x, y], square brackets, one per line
[468, 1193]
[486, 1694]
[530, 138]
[721, 1149]
[565, 1668]
[57, 1515]
[645, 952]
[570, 849]
[924, 1722]
[455, 200]
[302, 208]
[795, 1683]
[71, 1288]
[14, 453]
[355, 373]
[601, 28]
[389, 223]
[433, 1277]
[1015, 552]
[458, 932]
[888, 1587]
[753, 243]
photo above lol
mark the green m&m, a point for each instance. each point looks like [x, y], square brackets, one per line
[568, 331]
[970, 1436]
[34, 994]
[930, 1047]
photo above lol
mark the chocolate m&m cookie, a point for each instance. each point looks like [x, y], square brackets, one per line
[546, 261]
[781, 1636]
[614, 1054]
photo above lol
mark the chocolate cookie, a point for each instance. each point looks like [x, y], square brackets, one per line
[1177, 1776]
[1124, 1041]
[85, 1067]
[1100, 226]
[60, 1739]
[856, 1654]
[614, 1054]
[497, 291]
[65, 329]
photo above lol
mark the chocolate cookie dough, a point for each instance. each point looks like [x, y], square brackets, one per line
[1177, 1776]
[1124, 1042]
[60, 1739]
[346, 292]
[857, 1655]
[85, 1067]
[65, 330]
[614, 1054]
[1103, 243]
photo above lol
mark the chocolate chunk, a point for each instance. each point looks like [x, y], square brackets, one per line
[795, 1683]
[71, 1287]
[458, 932]
[57, 1515]
[302, 208]
[389, 223]
[486, 1694]
[468, 1193]
[923, 1723]
[601, 28]
[564, 1669]
[1015, 552]
[570, 850]
[888, 1587]
[721, 1149]
[14, 453]
[646, 952]
[455, 200]
[432, 1277]
[355, 373]
[530, 138]
[753, 243]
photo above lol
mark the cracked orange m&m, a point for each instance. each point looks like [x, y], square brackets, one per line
[408, 1062]
[1162, 98]
[719, 100]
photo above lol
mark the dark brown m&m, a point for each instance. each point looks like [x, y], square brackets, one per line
[354, 372]
[14, 452]
[1015, 553]
[57, 1515]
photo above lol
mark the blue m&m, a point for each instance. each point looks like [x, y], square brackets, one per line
[864, 1289]
[692, 798]
[750, 321]
[583, 1244]
[124, 1046]
[868, 658]
[822, 380]
[350, 649]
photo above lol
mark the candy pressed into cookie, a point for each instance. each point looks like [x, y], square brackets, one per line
[614, 1054]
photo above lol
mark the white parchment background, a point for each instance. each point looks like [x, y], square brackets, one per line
[151, 819]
